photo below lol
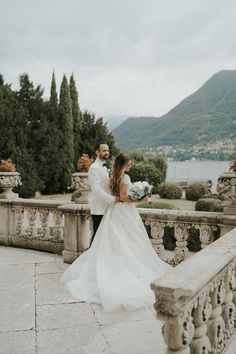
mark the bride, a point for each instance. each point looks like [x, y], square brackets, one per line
[121, 263]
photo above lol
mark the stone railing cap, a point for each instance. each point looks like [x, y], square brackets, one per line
[189, 277]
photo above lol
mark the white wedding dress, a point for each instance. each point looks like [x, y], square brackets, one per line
[120, 265]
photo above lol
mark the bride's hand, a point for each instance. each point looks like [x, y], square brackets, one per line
[145, 200]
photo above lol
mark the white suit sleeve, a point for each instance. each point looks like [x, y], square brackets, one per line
[96, 188]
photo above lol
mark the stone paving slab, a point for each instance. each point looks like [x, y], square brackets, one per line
[75, 340]
[145, 336]
[20, 342]
[64, 316]
[47, 268]
[121, 316]
[51, 291]
[17, 275]
[22, 256]
[17, 309]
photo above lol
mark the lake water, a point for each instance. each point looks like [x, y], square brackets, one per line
[196, 170]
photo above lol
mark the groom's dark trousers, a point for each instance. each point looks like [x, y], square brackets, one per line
[96, 222]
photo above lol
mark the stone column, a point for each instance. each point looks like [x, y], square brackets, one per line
[7, 222]
[77, 231]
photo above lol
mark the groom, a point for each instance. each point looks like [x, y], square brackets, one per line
[99, 182]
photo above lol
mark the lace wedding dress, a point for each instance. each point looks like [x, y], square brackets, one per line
[120, 265]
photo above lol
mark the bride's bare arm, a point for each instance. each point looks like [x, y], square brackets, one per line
[123, 193]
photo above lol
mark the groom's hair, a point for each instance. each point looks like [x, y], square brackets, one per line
[97, 146]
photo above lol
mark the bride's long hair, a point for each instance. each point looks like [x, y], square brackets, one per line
[116, 172]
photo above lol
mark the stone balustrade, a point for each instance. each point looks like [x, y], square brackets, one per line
[196, 300]
[208, 227]
[56, 227]
[30, 223]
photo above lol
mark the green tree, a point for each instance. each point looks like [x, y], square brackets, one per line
[51, 148]
[151, 170]
[161, 165]
[94, 131]
[30, 118]
[136, 156]
[7, 120]
[66, 151]
[76, 114]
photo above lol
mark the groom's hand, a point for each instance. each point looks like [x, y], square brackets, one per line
[117, 200]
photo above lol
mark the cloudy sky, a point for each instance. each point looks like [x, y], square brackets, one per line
[134, 57]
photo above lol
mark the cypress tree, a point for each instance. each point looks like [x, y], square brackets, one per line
[51, 149]
[66, 151]
[7, 120]
[76, 118]
[53, 95]
[28, 142]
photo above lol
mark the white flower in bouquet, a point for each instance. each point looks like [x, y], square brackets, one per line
[139, 190]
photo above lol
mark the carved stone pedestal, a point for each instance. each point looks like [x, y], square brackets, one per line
[9, 180]
[80, 183]
[226, 186]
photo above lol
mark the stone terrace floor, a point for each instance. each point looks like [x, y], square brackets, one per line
[38, 316]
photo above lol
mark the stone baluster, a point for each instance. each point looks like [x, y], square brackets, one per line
[216, 325]
[44, 217]
[181, 235]
[19, 214]
[201, 313]
[157, 233]
[228, 306]
[206, 234]
[31, 215]
[178, 333]
[57, 229]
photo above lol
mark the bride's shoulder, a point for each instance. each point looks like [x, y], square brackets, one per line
[126, 179]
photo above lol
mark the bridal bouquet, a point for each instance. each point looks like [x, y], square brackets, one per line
[139, 190]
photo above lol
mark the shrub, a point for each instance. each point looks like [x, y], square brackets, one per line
[213, 196]
[210, 204]
[170, 190]
[136, 156]
[158, 205]
[196, 190]
[146, 171]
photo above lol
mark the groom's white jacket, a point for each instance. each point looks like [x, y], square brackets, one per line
[99, 181]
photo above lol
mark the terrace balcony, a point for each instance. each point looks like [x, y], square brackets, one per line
[195, 301]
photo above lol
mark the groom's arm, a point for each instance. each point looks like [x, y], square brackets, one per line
[96, 188]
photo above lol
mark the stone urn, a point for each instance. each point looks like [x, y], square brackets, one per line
[9, 180]
[80, 183]
[226, 186]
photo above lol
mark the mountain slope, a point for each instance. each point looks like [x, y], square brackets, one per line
[207, 115]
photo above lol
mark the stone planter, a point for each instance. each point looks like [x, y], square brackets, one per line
[9, 180]
[80, 182]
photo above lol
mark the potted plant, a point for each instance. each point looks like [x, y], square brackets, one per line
[232, 166]
[9, 178]
[80, 182]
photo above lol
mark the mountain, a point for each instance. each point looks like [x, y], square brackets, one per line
[114, 121]
[207, 115]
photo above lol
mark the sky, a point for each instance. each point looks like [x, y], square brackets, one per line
[128, 57]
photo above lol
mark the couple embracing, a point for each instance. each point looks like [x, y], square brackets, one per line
[121, 263]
